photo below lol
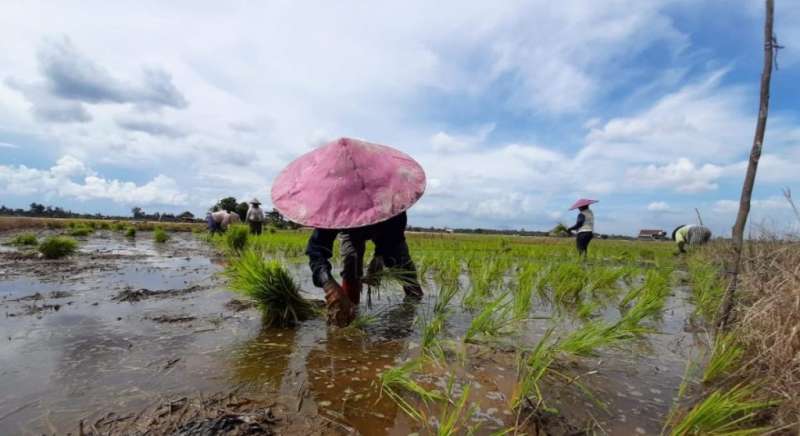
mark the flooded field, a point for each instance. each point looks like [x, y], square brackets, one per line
[127, 324]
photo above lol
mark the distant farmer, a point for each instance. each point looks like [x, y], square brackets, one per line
[255, 217]
[584, 225]
[219, 221]
[690, 234]
[359, 192]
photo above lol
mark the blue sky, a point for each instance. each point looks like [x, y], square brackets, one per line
[514, 109]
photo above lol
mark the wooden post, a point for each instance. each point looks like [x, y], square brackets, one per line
[770, 45]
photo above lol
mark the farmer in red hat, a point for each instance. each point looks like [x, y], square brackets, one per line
[584, 225]
[357, 191]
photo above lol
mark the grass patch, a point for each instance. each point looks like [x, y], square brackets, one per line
[271, 287]
[56, 247]
[130, 232]
[80, 231]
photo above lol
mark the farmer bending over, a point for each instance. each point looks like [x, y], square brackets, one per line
[357, 191]
[584, 225]
[690, 234]
[219, 221]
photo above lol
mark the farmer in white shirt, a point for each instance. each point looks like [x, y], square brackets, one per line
[255, 217]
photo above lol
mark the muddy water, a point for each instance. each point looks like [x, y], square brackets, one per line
[72, 352]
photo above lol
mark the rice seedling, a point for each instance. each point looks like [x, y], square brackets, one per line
[485, 275]
[495, 316]
[707, 288]
[160, 235]
[451, 421]
[24, 239]
[271, 287]
[733, 412]
[130, 232]
[523, 293]
[118, 227]
[56, 247]
[398, 380]
[532, 369]
[594, 335]
[567, 280]
[362, 321]
[236, 238]
[724, 357]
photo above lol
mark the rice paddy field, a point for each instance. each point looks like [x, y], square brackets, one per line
[154, 332]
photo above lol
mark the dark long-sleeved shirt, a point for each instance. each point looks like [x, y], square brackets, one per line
[579, 223]
[320, 246]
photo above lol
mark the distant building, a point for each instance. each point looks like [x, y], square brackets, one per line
[652, 234]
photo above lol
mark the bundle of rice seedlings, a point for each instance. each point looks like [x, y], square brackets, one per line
[160, 235]
[24, 239]
[131, 232]
[236, 238]
[724, 358]
[56, 247]
[523, 294]
[271, 287]
[452, 419]
[707, 287]
[81, 231]
[595, 335]
[733, 411]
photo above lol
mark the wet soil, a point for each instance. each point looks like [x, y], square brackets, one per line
[147, 340]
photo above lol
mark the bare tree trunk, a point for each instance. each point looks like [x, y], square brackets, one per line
[770, 44]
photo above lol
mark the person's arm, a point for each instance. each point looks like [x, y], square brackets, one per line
[319, 251]
[578, 224]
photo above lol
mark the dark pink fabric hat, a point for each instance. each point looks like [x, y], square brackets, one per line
[582, 202]
[348, 183]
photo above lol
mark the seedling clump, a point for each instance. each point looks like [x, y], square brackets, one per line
[56, 247]
[160, 235]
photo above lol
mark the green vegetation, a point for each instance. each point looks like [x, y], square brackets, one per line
[725, 356]
[272, 288]
[730, 412]
[707, 287]
[81, 230]
[160, 235]
[131, 232]
[236, 238]
[24, 239]
[56, 247]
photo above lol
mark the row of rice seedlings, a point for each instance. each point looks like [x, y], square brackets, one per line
[725, 355]
[707, 288]
[271, 286]
[734, 411]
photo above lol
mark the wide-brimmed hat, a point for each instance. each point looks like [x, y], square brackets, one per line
[348, 183]
[255, 201]
[582, 202]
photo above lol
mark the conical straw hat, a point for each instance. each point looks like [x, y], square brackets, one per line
[582, 202]
[348, 183]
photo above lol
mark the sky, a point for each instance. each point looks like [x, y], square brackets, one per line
[514, 109]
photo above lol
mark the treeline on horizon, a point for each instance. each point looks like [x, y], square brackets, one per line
[273, 218]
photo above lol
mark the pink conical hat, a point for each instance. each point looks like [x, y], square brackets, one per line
[348, 183]
[582, 202]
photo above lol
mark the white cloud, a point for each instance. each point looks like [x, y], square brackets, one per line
[8, 145]
[682, 175]
[658, 206]
[59, 180]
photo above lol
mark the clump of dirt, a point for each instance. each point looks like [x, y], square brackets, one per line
[220, 414]
[132, 296]
[33, 309]
[170, 319]
[237, 305]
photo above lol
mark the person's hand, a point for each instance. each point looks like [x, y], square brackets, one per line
[341, 312]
